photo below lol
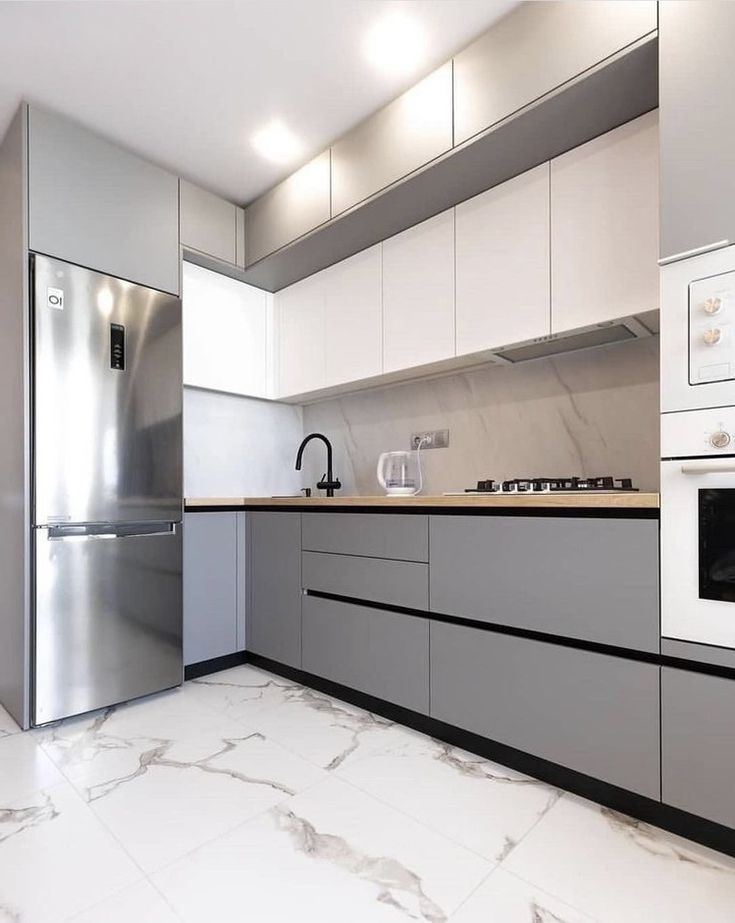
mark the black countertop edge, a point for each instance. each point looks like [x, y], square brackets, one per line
[573, 512]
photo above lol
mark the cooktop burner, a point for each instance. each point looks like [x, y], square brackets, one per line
[552, 485]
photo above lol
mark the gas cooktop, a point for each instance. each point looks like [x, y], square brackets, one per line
[553, 485]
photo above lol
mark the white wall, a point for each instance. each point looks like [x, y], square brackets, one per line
[239, 446]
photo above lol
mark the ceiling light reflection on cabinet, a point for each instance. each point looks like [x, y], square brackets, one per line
[277, 143]
[395, 45]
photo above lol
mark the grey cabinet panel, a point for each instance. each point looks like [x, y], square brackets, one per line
[240, 238]
[396, 583]
[698, 744]
[536, 48]
[375, 535]
[696, 125]
[595, 579]
[292, 208]
[396, 140]
[208, 223]
[99, 206]
[210, 585]
[595, 714]
[385, 654]
[274, 574]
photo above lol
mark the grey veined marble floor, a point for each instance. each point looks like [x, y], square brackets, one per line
[243, 797]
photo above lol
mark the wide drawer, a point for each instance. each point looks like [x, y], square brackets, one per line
[395, 583]
[382, 653]
[593, 579]
[402, 537]
[593, 713]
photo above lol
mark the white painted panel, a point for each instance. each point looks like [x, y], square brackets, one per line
[604, 227]
[503, 263]
[353, 327]
[299, 312]
[225, 333]
[418, 294]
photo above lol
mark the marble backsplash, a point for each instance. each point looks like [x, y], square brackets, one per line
[594, 412]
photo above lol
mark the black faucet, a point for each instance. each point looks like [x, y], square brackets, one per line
[328, 481]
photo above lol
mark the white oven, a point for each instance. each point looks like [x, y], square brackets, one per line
[698, 526]
[698, 332]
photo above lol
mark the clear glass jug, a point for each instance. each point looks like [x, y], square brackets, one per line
[399, 473]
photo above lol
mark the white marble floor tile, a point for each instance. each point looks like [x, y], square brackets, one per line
[620, 870]
[242, 692]
[56, 858]
[503, 898]
[479, 804]
[7, 724]
[183, 793]
[324, 730]
[329, 855]
[140, 903]
[24, 768]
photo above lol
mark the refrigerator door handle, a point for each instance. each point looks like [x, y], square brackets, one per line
[111, 530]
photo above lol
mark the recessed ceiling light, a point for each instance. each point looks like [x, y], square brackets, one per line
[277, 143]
[396, 44]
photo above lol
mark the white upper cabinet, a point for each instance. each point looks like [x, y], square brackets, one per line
[226, 328]
[208, 223]
[604, 227]
[418, 294]
[299, 312]
[94, 204]
[503, 264]
[353, 323]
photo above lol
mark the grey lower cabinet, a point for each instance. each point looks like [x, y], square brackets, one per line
[209, 224]
[94, 204]
[593, 579]
[395, 583]
[376, 651]
[274, 578]
[400, 536]
[698, 744]
[596, 714]
[696, 126]
[211, 593]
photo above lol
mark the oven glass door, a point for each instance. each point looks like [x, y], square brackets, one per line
[698, 551]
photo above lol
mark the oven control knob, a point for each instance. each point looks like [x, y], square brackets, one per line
[720, 439]
[713, 336]
[713, 305]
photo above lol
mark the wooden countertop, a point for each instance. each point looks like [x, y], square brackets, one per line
[611, 501]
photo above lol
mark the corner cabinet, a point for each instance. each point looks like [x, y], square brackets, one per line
[211, 225]
[604, 227]
[94, 204]
[695, 88]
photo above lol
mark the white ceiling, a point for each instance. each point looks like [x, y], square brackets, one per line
[186, 84]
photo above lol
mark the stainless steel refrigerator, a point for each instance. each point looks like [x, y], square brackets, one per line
[107, 490]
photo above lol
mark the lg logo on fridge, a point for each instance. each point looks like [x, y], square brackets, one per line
[55, 298]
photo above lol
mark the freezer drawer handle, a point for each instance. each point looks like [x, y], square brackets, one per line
[713, 467]
[106, 530]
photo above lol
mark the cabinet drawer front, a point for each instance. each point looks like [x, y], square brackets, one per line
[385, 654]
[396, 583]
[593, 713]
[698, 744]
[374, 535]
[594, 579]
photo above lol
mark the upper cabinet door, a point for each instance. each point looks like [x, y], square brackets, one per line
[208, 223]
[353, 325]
[96, 205]
[299, 311]
[503, 264]
[604, 227]
[225, 333]
[292, 208]
[536, 48]
[418, 294]
[697, 130]
[400, 138]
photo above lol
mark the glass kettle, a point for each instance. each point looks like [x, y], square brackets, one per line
[399, 473]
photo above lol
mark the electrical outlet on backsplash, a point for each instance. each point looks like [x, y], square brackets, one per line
[430, 439]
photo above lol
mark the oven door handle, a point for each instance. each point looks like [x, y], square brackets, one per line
[707, 467]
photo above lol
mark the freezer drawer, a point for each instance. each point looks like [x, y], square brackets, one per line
[108, 616]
